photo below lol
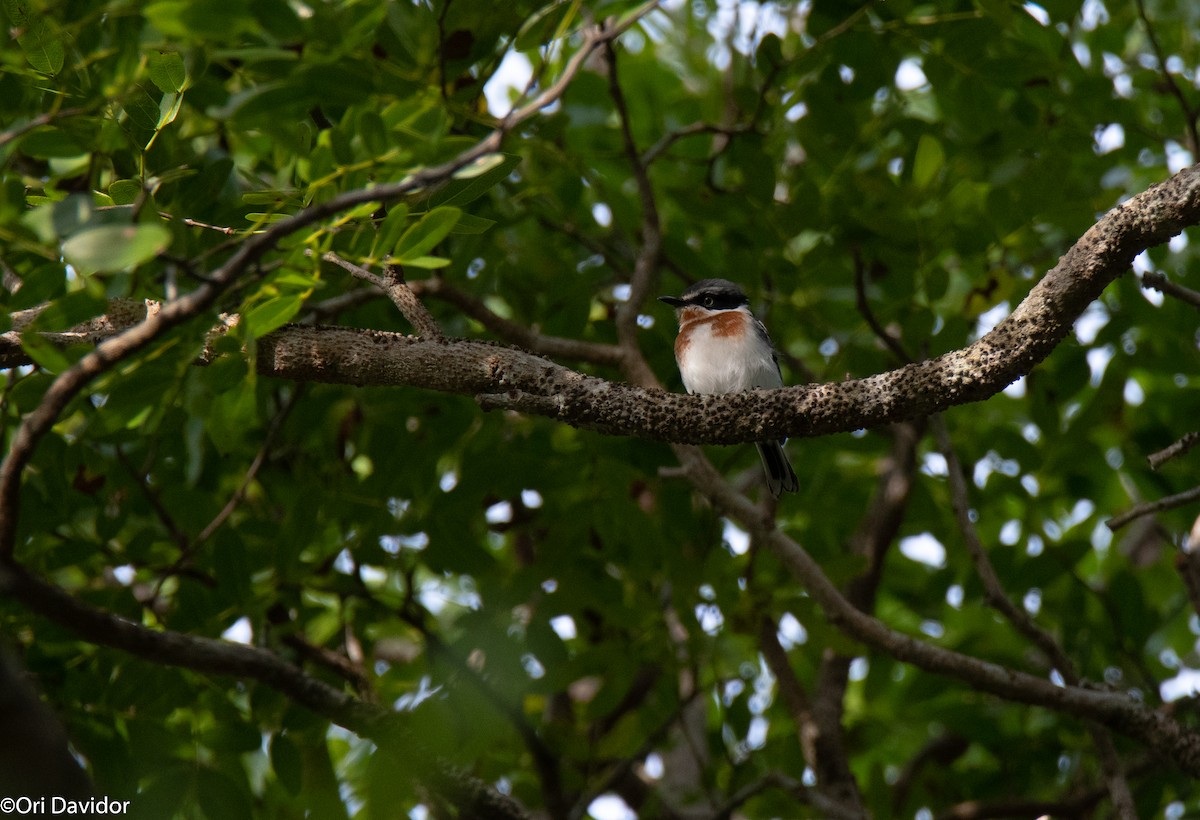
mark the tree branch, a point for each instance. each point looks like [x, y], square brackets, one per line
[1189, 111]
[392, 283]
[36, 756]
[1187, 562]
[197, 653]
[514, 380]
[216, 657]
[645, 266]
[1180, 447]
[670, 138]
[1118, 711]
[1162, 284]
[511, 380]
[71, 381]
[516, 333]
[998, 598]
[1138, 510]
[37, 122]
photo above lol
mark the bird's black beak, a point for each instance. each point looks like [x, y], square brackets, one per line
[673, 301]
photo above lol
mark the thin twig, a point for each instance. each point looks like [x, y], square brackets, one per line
[42, 119]
[994, 591]
[621, 770]
[791, 689]
[558, 347]
[1189, 111]
[176, 532]
[941, 751]
[1080, 804]
[194, 652]
[195, 223]
[1180, 447]
[645, 266]
[336, 662]
[1161, 732]
[545, 760]
[671, 137]
[998, 598]
[593, 39]
[251, 473]
[845, 25]
[218, 657]
[1159, 282]
[1168, 503]
[864, 308]
[775, 780]
[392, 283]
[409, 305]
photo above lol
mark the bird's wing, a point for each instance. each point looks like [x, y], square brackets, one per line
[761, 330]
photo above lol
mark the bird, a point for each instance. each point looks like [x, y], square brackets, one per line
[723, 348]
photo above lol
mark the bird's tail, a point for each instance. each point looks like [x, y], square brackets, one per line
[780, 475]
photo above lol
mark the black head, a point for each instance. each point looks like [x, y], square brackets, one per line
[712, 294]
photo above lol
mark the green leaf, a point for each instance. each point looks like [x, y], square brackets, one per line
[167, 71]
[476, 180]
[17, 11]
[374, 135]
[280, 198]
[546, 25]
[930, 158]
[142, 110]
[480, 166]
[421, 238]
[271, 314]
[287, 763]
[428, 262]
[115, 247]
[222, 797]
[125, 191]
[45, 355]
[51, 143]
[471, 224]
[43, 283]
[71, 309]
[168, 110]
[42, 43]
[393, 225]
[195, 19]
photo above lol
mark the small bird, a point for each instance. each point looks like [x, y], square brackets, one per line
[722, 348]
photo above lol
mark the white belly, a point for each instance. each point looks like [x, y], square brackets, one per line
[726, 364]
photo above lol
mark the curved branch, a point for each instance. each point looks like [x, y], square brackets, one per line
[645, 266]
[514, 380]
[1117, 711]
[1178, 448]
[71, 381]
[193, 652]
[1146, 508]
[998, 598]
[1189, 111]
[1159, 282]
[216, 657]
[393, 283]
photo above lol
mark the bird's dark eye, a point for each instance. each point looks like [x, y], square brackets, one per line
[708, 301]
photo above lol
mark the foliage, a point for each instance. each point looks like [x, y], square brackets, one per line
[547, 609]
